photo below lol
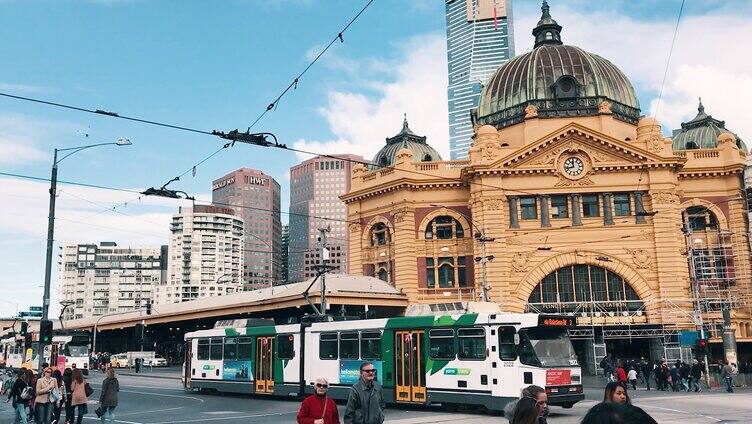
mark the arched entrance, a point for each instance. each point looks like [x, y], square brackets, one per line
[584, 288]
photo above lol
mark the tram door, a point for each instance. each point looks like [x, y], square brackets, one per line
[263, 375]
[410, 367]
[187, 371]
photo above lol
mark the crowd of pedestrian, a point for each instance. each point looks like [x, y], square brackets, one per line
[679, 376]
[42, 398]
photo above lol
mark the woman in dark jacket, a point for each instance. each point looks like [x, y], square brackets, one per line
[67, 380]
[19, 404]
[108, 400]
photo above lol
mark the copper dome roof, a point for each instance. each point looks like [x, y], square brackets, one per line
[701, 133]
[557, 79]
[405, 139]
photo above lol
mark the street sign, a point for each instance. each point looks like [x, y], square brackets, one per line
[688, 337]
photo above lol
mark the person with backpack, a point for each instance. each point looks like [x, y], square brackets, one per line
[108, 400]
[78, 396]
[20, 394]
[44, 397]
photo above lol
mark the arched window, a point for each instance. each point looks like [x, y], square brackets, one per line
[691, 145]
[380, 235]
[383, 274]
[444, 228]
[384, 161]
[569, 287]
[427, 158]
[700, 218]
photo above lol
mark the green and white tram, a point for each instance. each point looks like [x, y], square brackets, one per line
[470, 359]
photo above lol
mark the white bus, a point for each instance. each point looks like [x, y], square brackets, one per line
[68, 348]
[470, 359]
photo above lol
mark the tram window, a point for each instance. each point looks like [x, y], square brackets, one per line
[244, 349]
[231, 348]
[328, 346]
[285, 348]
[370, 345]
[215, 349]
[441, 343]
[348, 345]
[471, 343]
[203, 349]
[507, 351]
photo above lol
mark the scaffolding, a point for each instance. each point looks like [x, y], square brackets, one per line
[713, 275]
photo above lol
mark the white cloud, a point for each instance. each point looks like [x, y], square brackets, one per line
[710, 58]
[21, 88]
[416, 86]
[18, 138]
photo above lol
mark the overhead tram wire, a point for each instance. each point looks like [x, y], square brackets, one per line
[668, 60]
[532, 246]
[294, 83]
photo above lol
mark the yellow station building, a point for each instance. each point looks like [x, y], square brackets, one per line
[571, 201]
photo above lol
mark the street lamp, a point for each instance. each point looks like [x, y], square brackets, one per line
[51, 224]
[480, 235]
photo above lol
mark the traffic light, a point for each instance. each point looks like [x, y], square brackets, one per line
[45, 332]
[24, 328]
[27, 341]
[148, 307]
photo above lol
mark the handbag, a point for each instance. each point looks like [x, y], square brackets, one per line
[99, 411]
[88, 390]
[55, 394]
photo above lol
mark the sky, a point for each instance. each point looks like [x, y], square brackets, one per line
[216, 65]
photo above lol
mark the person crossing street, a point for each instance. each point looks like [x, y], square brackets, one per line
[319, 408]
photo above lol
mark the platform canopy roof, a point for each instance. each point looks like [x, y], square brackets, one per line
[340, 290]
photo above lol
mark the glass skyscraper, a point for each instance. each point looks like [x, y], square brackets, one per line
[480, 38]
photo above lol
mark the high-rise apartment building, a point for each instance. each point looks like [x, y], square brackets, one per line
[479, 39]
[315, 187]
[284, 274]
[98, 279]
[205, 255]
[255, 198]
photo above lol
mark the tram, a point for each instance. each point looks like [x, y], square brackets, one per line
[68, 348]
[477, 359]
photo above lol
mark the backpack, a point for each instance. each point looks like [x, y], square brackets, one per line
[27, 393]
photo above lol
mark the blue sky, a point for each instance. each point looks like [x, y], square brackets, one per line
[216, 65]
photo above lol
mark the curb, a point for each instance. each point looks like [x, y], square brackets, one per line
[145, 375]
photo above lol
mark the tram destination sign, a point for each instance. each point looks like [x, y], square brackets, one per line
[556, 321]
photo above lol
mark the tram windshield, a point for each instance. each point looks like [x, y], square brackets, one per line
[547, 347]
[73, 350]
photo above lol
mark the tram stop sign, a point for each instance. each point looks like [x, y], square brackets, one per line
[688, 338]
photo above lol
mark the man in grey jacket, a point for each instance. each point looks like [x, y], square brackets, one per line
[365, 404]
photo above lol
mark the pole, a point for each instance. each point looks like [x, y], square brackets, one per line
[48, 260]
[322, 249]
[483, 262]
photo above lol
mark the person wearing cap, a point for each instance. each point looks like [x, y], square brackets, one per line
[318, 408]
[365, 404]
[44, 386]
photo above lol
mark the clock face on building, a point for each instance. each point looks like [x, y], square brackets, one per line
[573, 166]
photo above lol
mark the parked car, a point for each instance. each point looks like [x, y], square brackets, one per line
[119, 361]
[156, 361]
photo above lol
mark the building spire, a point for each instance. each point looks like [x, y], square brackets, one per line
[405, 128]
[547, 31]
[700, 108]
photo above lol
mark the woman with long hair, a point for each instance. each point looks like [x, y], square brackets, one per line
[526, 411]
[57, 406]
[108, 400]
[616, 392]
[78, 396]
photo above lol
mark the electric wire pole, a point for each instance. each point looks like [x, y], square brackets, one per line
[323, 258]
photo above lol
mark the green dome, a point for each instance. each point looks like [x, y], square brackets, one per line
[557, 79]
[406, 139]
[701, 132]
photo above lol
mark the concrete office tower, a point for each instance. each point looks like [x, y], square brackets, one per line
[479, 39]
[205, 255]
[315, 187]
[103, 278]
[255, 198]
